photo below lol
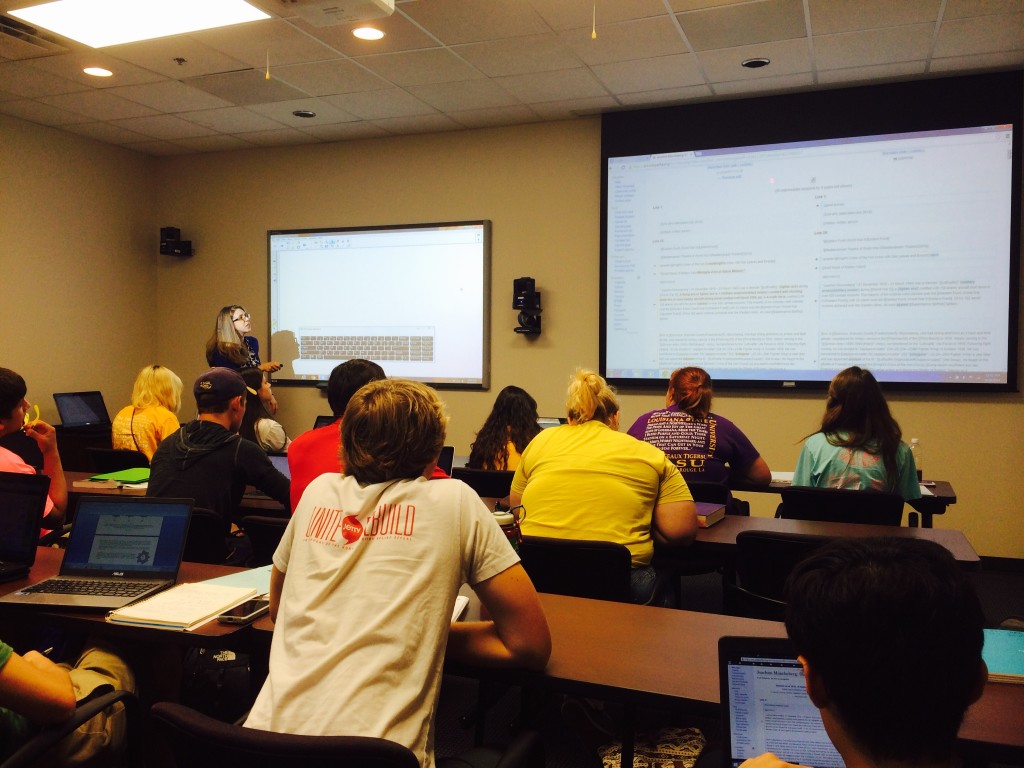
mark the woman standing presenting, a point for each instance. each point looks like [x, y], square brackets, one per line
[860, 444]
[232, 346]
[152, 416]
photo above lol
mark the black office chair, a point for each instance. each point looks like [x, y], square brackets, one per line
[717, 493]
[764, 560]
[841, 506]
[105, 460]
[24, 446]
[494, 483]
[198, 741]
[264, 535]
[206, 541]
[28, 756]
[595, 569]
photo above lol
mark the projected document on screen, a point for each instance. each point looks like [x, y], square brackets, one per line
[412, 298]
[793, 261]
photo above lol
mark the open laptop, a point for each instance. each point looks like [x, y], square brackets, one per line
[765, 707]
[81, 409]
[446, 458]
[22, 504]
[120, 549]
[324, 421]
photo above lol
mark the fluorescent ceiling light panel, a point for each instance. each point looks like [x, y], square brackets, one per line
[99, 23]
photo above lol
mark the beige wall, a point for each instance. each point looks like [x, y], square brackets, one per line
[538, 184]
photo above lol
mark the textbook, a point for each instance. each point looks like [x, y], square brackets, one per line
[709, 513]
[185, 606]
[1004, 654]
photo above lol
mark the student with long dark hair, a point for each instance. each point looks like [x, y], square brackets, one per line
[257, 424]
[510, 426]
[860, 444]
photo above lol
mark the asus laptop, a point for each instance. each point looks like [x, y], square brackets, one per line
[120, 549]
[22, 503]
[765, 707]
[81, 409]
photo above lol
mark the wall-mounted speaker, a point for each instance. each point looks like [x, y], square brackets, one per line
[171, 243]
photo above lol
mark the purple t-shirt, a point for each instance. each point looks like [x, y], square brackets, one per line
[700, 448]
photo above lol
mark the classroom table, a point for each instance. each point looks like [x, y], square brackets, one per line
[942, 496]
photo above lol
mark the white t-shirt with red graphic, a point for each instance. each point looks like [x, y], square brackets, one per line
[372, 574]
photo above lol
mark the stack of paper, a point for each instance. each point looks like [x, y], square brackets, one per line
[185, 606]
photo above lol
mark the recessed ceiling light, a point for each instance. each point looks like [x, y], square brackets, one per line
[367, 33]
[98, 72]
[304, 113]
[112, 22]
[755, 63]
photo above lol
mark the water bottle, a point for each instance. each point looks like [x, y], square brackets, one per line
[915, 451]
[508, 519]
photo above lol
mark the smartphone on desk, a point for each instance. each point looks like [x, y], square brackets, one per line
[245, 613]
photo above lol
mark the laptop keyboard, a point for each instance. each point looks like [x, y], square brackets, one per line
[100, 588]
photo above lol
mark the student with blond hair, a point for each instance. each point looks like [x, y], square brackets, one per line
[153, 414]
[587, 480]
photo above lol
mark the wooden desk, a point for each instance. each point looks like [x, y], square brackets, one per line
[720, 538]
[928, 506]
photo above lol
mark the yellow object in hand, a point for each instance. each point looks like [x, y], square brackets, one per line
[31, 415]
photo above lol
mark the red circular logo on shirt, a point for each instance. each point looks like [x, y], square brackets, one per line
[351, 528]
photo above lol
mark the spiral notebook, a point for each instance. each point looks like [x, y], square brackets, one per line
[185, 606]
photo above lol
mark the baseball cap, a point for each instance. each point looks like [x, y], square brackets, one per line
[218, 385]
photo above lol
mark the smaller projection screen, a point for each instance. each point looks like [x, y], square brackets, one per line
[414, 298]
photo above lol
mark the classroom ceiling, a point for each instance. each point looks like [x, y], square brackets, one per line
[447, 65]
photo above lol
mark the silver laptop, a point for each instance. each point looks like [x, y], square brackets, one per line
[120, 549]
[81, 409]
[22, 504]
[765, 707]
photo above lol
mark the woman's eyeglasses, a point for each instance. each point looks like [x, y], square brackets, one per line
[243, 316]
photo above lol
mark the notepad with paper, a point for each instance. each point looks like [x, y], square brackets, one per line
[185, 606]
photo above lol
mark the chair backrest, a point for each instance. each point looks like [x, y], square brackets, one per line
[841, 506]
[764, 560]
[702, 490]
[24, 446]
[595, 569]
[199, 741]
[115, 459]
[486, 482]
[264, 535]
[205, 542]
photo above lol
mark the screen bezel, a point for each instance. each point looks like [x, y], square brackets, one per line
[958, 102]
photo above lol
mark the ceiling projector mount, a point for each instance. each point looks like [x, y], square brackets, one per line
[328, 13]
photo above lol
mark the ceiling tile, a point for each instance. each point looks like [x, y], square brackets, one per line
[650, 74]
[787, 57]
[978, 63]
[566, 84]
[472, 94]
[829, 17]
[519, 55]
[157, 148]
[744, 24]
[876, 73]
[420, 67]
[876, 46]
[163, 127]
[252, 42]
[279, 138]
[626, 41]
[38, 112]
[328, 77]
[376, 105]
[571, 108]
[765, 85]
[346, 131]
[421, 124]
[958, 9]
[111, 134]
[400, 34]
[496, 116]
[99, 105]
[161, 56]
[575, 14]
[230, 120]
[29, 82]
[664, 97]
[169, 96]
[70, 66]
[214, 143]
[281, 112]
[470, 21]
[246, 87]
[981, 34]
[679, 6]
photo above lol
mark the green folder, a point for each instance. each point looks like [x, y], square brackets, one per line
[133, 475]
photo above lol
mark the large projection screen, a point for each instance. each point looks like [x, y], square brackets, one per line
[413, 298]
[840, 231]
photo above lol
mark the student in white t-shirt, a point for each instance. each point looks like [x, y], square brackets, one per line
[366, 576]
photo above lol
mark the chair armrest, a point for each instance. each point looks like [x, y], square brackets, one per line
[52, 537]
[30, 753]
[526, 750]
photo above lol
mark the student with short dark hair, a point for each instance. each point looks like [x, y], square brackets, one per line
[889, 632]
[365, 580]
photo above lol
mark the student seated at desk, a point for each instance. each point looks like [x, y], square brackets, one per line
[587, 480]
[365, 580]
[509, 428]
[14, 416]
[152, 416]
[257, 424]
[859, 445]
[889, 633]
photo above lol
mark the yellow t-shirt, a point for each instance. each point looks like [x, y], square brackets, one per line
[145, 426]
[587, 481]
